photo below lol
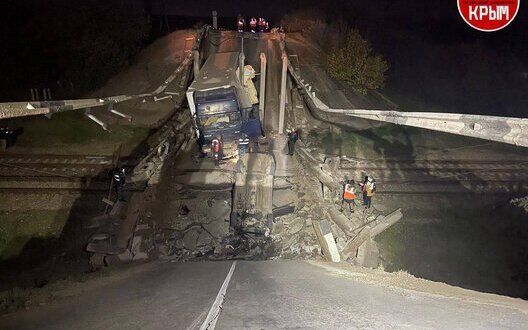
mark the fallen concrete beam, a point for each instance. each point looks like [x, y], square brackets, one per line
[387, 222]
[353, 245]
[283, 210]
[326, 240]
[314, 166]
[341, 221]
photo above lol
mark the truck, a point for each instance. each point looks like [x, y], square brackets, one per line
[223, 105]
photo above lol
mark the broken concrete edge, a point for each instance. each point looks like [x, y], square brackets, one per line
[407, 282]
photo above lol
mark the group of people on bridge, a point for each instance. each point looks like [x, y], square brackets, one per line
[350, 193]
[260, 23]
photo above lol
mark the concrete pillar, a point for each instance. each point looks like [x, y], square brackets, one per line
[262, 85]
[215, 20]
[196, 55]
[241, 60]
[282, 107]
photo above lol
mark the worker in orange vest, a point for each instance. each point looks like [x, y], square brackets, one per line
[217, 148]
[261, 24]
[349, 195]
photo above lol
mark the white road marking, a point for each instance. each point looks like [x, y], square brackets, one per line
[214, 312]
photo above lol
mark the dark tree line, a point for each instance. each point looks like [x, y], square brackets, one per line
[69, 46]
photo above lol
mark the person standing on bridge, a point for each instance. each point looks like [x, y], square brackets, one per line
[349, 195]
[293, 136]
[217, 148]
[371, 190]
[119, 180]
[253, 24]
[364, 190]
[261, 24]
[241, 23]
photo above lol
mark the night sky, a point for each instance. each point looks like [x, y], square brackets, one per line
[426, 43]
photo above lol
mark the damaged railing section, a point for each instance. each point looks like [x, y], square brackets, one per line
[48, 108]
[500, 129]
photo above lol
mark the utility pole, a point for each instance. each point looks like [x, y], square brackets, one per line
[283, 93]
[262, 86]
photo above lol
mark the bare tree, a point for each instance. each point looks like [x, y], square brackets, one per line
[353, 60]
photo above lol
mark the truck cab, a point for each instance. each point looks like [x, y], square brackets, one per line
[221, 105]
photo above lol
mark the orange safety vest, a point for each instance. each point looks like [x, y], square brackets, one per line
[370, 188]
[349, 193]
[216, 145]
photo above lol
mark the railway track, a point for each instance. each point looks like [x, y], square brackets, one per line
[441, 176]
[45, 173]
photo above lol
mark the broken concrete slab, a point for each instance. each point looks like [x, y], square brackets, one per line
[326, 240]
[368, 254]
[191, 239]
[204, 239]
[283, 210]
[295, 226]
[350, 249]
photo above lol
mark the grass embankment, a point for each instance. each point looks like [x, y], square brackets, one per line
[17, 228]
[73, 133]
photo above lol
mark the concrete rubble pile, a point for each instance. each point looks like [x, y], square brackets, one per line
[353, 233]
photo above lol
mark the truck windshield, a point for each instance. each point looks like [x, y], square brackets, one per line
[210, 108]
[225, 120]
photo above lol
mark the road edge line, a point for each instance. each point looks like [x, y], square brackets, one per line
[214, 312]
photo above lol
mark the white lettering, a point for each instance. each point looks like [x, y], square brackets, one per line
[483, 11]
[492, 14]
[498, 13]
[503, 10]
[473, 12]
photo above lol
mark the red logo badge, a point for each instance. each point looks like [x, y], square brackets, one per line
[488, 15]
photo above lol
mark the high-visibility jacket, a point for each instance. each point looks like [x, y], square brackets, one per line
[370, 189]
[216, 145]
[350, 192]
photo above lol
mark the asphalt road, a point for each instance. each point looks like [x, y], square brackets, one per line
[259, 295]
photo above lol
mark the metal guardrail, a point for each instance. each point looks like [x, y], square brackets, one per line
[33, 108]
[494, 128]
